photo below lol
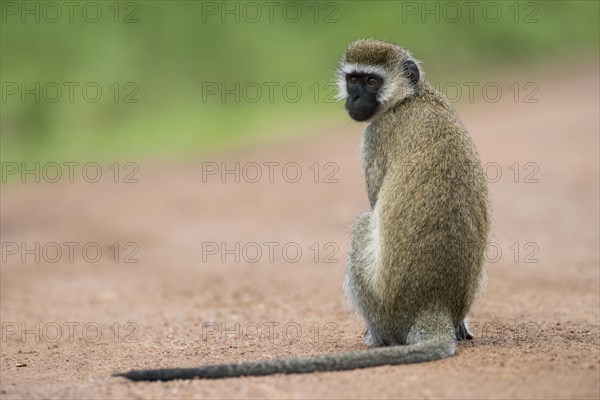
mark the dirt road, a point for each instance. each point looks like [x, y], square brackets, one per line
[230, 271]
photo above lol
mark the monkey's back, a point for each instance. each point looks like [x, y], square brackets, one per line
[431, 208]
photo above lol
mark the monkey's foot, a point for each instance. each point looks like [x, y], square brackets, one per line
[463, 332]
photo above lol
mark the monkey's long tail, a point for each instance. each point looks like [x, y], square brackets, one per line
[407, 354]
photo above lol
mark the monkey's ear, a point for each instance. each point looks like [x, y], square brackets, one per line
[412, 72]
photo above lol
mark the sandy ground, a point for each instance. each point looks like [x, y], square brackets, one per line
[70, 320]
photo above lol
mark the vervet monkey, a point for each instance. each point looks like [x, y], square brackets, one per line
[416, 260]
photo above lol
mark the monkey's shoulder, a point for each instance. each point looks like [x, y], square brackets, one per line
[422, 120]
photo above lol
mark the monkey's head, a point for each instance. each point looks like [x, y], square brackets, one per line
[375, 75]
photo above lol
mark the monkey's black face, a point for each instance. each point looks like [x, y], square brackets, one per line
[362, 89]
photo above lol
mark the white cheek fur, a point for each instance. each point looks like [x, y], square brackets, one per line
[342, 93]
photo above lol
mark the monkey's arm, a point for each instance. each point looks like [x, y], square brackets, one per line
[426, 351]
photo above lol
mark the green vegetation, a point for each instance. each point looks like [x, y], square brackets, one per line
[178, 51]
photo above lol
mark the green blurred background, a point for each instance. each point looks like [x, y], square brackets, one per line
[165, 56]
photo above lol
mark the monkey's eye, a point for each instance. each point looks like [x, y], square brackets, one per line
[372, 81]
[352, 80]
